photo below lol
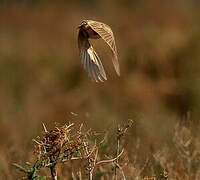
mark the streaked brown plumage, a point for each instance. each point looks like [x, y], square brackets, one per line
[89, 29]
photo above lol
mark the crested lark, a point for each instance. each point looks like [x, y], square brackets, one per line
[89, 29]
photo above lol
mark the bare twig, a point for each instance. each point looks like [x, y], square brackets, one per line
[118, 149]
[122, 172]
[44, 127]
[110, 160]
[53, 173]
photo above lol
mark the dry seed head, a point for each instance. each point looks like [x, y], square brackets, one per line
[52, 143]
[64, 143]
[121, 131]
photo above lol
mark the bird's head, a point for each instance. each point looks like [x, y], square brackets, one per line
[83, 23]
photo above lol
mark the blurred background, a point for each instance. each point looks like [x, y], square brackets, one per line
[42, 79]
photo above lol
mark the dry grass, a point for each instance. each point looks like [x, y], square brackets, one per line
[86, 154]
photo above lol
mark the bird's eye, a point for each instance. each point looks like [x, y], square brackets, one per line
[84, 22]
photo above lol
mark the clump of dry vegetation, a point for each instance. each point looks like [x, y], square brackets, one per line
[68, 143]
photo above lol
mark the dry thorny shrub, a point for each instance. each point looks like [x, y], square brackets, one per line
[66, 144]
[71, 144]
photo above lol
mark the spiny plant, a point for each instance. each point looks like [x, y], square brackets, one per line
[66, 144]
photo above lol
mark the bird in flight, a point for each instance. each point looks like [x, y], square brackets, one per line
[89, 29]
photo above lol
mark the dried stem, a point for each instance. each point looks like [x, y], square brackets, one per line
[110, 160]
[53, 172]
[118, 150]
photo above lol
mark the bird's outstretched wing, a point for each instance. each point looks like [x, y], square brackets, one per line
[90, 60]
[107, 35]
